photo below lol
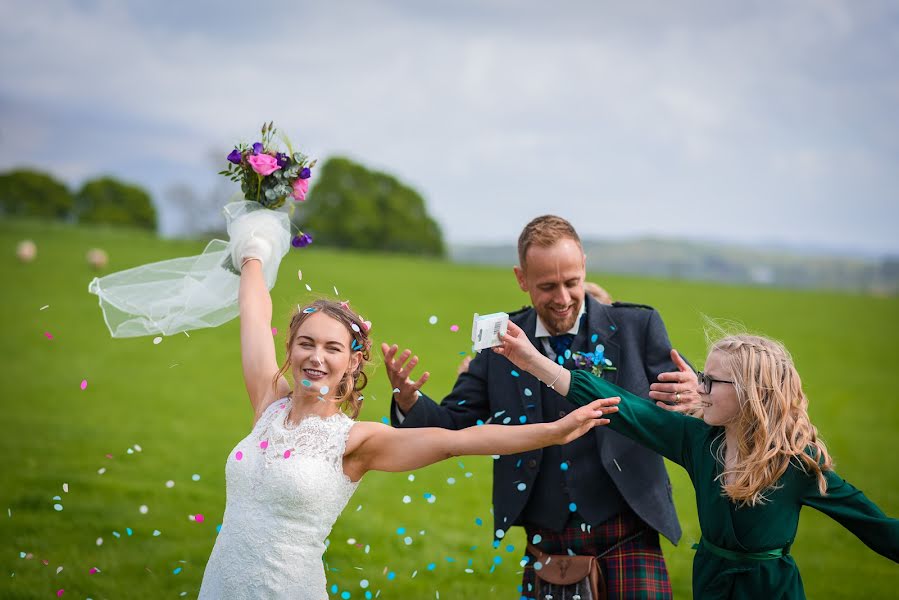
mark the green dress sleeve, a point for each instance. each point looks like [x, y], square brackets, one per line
[665, 432]
[848, 506]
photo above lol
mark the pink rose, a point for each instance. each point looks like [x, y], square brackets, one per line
[264, 164]
[300, 187]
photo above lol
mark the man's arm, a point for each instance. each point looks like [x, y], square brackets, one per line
[466, 404]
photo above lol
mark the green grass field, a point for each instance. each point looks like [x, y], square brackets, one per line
[182, 402]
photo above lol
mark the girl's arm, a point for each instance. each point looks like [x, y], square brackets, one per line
[660, 430]
[257, 346]
[848, 506]
[373, 446]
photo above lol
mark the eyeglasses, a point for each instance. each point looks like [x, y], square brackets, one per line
[706, 382]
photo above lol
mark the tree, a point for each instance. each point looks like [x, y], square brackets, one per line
[350, 206]
[107, 200]
[32, 193]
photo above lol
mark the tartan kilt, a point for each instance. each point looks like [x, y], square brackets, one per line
[636, 569]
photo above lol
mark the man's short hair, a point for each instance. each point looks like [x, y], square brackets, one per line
[544, 232]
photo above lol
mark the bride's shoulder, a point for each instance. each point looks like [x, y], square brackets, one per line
[360, 431]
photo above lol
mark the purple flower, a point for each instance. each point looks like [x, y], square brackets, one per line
[235, 156]
[305, 173]
[257, 148]
[301, 241]
[282, 159]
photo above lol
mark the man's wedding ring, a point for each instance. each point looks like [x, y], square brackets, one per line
[677, 396]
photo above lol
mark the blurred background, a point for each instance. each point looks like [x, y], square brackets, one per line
[730, 159]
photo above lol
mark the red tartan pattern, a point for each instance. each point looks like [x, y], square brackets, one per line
[634, 570]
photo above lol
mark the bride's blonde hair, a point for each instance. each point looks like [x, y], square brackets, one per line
[773, 419]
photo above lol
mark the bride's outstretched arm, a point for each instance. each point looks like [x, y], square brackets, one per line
[257, 346]
[373, 446]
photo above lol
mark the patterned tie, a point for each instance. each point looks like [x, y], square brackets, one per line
[561, 343]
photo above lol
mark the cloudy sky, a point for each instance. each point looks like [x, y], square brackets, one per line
[745, 121]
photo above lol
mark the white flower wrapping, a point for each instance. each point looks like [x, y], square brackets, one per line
[194, 292]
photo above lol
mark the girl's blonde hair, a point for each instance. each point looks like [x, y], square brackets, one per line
[349, 391]
[776, 429]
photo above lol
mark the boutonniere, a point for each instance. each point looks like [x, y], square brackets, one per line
[595, 361]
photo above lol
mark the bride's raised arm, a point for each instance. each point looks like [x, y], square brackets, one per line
[257, 346]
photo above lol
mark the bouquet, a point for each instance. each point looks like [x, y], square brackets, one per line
[269, 176]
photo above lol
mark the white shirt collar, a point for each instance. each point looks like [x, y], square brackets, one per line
[543, 332]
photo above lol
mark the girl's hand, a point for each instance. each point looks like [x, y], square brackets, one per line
[580, 421]
[516, 346]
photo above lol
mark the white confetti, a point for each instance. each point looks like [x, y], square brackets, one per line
[65, 487]
[169, 484]
[433, 320]
[144, 509]
[407, 499]
[157, 340]
[308, 289]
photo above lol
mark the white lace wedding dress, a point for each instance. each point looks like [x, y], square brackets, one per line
[285, 489]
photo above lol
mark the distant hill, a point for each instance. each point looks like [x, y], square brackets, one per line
[704, 261]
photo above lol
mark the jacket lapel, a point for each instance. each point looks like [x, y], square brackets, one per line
[601, 325]
[530, 389]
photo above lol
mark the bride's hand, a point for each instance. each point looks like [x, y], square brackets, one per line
[580, 421]
[516, 346]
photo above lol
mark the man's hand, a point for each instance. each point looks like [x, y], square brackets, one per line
[677, 390]
[405, 390]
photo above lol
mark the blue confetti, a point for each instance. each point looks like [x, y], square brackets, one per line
[514, 373]
[176, 571]
[306, 383]
[510, 548]
[461, 402]
[495, 545]
[334, 589]
[391, 576]
[479, 422]
[522, 487]
[572, 507]
[368, 594]
[345, 596]
[593, 338]
[522, 419]
[518, 464]
[450, 559]
[567, 354]
[431, 566]
[385, 421]
[507, 420]
[478, 521]
[400, 530]
[612, 327]
[309, 310]
[218, 528]
[564, 466]
[497, 559]
[528, 392]
[537, 539]
[560, 360]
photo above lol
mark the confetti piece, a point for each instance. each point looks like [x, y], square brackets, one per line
[309, 310]
[287, 454]
[57, 507]
[537, 539]
[522, 419]
[325, 389]
[65, 487]
[572, 507]
[84, 384]
[306, 383]
[99, 541]
[411, 477]
[59, 593]
[355, 327]
[300, 274]
[363, 584]
[407, 499]
[48, 335]
[564, 466]
[522, 487]
[157, 340]
[137, 448]
[407, 540]
[451, 480]
[432, 498]
[367, 325]
[128, 531]
[176, 571]
[263, 444]
[238, 455]
[500, 533]
[58, 570]
[199, 518]
[308, 289]
[593, 338]
[433, 320]
[93, 570]
[44, 307]
[156, 533]
[274, 331]
[169, 484]
[454, 328]
[515, 373]
[391, 576]
[195, 477]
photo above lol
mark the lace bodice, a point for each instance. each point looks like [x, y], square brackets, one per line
[285, 489]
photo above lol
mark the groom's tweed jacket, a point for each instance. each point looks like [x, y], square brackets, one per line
[637, 345]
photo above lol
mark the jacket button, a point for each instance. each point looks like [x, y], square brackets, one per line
[532, 463]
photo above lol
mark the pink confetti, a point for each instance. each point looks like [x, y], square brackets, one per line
[59, 593]
[93, 570]
[263, 444]
[84, 384]
[287, 454]
[199, 518]
[274, 331]
[48, 335]
[239, 455]
[454, 328]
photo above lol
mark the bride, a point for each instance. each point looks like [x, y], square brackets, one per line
[290, 478]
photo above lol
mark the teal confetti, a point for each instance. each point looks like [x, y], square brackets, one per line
[176, 571]
[522, 419]
[515, 373]
[593, 338]
[528, 392]
[478, 521]
[564, 466]
[306, 383]
[572, 507]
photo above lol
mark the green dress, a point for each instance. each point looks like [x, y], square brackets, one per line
[744, 552]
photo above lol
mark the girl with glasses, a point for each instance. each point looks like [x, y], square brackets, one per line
[754, 458]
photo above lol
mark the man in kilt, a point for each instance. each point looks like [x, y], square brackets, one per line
[602, 494]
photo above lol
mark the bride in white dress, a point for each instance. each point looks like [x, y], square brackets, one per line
[290, 478]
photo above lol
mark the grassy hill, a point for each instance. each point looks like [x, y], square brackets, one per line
[171, 412]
